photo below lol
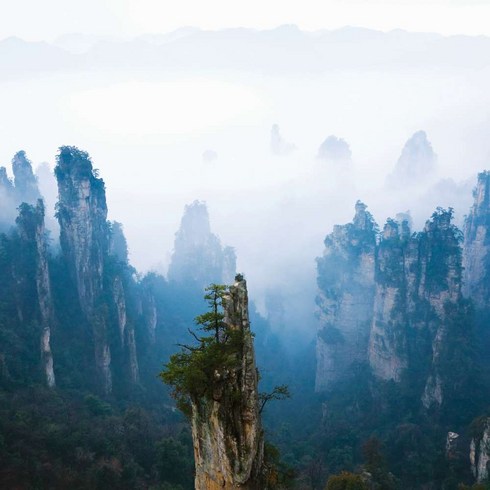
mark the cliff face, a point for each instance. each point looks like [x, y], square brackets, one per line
[390, 301]
[33, 243]
[480, 452]
[198, 256]
[476, 258]
[84, 238]
[346, 296]
[227, 433]
[396, 258]
[417, 278]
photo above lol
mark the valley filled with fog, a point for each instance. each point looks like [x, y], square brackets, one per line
[169, 119]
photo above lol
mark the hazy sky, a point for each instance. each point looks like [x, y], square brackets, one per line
[47, 19]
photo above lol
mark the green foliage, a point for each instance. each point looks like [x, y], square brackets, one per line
[280, 392]
[346, 481]
[195, 371]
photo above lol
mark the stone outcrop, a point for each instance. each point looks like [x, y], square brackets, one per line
[480, 453]
[417, 161]
[198, 256]
[226, 430]
[84, 239]
[346, 296]
[23, 188]
[416, 278]
[335, 149]
[396, 256]
[389, 301]
[33, 238]
[25, 181]
[476, 257]
[126, 328]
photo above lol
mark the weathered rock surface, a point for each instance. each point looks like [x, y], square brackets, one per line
[32, 233]
[346, 297]
[389, 301]
[84, 238]
[417, 277]
[476, 258]
[480, 453]
[226, 430]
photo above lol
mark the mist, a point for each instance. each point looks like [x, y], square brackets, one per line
[280, 147]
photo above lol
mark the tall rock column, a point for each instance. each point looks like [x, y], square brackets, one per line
[476, 257]
[226, 430]
[31, 230]
[198, 255]
[388, 351]
[345, 298]
[84, 238]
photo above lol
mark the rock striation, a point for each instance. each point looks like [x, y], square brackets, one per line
[96, 253]
[346, 297]
[480, 452]
[32, 234]
[390, 301]
[476, 257]
[84, 239]
[226, 430]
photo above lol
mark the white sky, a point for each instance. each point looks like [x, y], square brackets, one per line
[48, 19]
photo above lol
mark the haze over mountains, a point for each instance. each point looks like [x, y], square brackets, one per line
[148, 108]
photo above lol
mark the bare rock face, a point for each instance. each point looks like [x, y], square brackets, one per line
[198, 255]
[32, 233]
[388, 353]
[346, 297]
[476, 258]
[126, 329]
[84, 238]
[227, 432]
[480, 453]
[418, 292]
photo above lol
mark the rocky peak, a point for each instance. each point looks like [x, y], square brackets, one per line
[345, 299]
[417, 161]
[477, 245]
[24, 179]
[229, 440]
[363, 219]
[390, 230]
[198, 255]
[84, 239]
[118, 246]
[5, 182]
[82, 214]
[32, 233]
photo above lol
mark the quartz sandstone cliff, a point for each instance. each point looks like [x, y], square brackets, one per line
[417, 277]
[345, 299]
[226, 430]
[476, 257]
[89, 244]
[33, 244]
